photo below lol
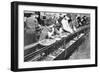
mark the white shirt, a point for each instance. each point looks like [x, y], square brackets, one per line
[51, 33]
[66, 26]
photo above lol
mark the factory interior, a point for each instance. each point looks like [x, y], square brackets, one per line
[50, 36]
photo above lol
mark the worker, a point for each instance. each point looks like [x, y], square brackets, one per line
[47, 32]
[51, 31]
[65, 25]
[44, 33]
[30, 35]
[31, 23]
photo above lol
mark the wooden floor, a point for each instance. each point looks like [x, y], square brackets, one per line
[83, 51]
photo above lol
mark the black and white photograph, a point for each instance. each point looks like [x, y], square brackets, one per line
[53, 36]
[50, 36]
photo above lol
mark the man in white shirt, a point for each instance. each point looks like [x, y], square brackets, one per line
[65, 25]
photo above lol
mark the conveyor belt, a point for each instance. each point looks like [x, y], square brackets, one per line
[55, 54]
[31, 53]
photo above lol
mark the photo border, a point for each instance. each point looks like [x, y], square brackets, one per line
[14, 35]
